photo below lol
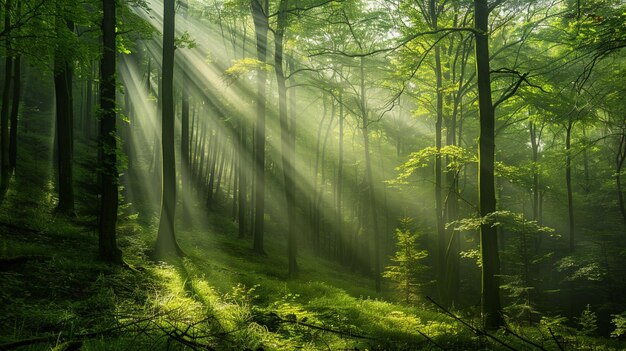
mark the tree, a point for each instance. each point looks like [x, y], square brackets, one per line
[6, 97]
[490, 283]
[261, 26]
[407, 267]
[166, 243]
[108, 139]
[64, 112]
[287, 137]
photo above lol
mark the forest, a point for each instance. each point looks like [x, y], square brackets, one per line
[312, 175]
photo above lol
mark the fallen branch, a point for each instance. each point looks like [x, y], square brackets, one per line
[77, 337]
[475, 330]
[555, 339]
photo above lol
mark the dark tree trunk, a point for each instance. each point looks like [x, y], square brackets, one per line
[261, 27]
[64, 128]
[108, 163]
[166, 243]
[491, 307]
[5, 167]
[17, 86]
[184, 151]
[619, 164]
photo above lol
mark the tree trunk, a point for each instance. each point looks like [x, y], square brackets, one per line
[314, 209]
[287, 147]
[619, 163]
[568, 183]
[339, 188]
[369, 179]
[17, 86]
[490, 303]
[64, 126]
[243, 181]
[220, 171]
[441, 231]
[166, 238]
[108, 163]
[261, 26]
[5, 167]
[89, 120]
[452, 209]
[535, 157]
[184, 151]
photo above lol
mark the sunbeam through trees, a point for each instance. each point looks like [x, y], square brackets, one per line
[312, 174]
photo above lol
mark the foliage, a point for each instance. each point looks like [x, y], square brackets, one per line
[242, 67]
[619, 320]
[406, 270]
[587, 321]
[458, 158]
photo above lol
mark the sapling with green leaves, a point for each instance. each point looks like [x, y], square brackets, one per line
[406, 269]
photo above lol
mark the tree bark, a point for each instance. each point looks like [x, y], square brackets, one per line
[490, 302]
[261, 26]
[64, 125]
[166, 243]
[287, 147]
[243, 181]
[184, 150]
[107, 243]
[619, 163]
[439, 214]
[5, 167]
[339, 188]
[17, 90]
[568, 183]
[369, 178]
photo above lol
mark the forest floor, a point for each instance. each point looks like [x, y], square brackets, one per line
[55, 294]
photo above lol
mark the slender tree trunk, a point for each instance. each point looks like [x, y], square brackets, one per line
[314, 209]
[439, 212]
[166, 238]
[452, 236]
[108, 163]
[17, 86]
[5, 166]
[587, 186]
[184, 151]
[261, 26]
[369, 178]
[89, 120]
[243, 181]
[214, 162]
[220, 171]
[64, 127]
[535, 157]
[339, 190]
[287, 147]
[491, 307]
[619, 163]
[568, 183]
